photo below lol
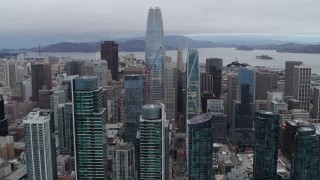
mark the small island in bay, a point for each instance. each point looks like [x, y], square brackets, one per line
[264, 57]
[244, 48]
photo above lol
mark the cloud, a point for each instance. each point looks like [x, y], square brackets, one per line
[101, 18]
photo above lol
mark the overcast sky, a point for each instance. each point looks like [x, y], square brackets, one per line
[26, 23]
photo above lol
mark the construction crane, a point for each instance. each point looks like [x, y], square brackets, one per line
[148, 70]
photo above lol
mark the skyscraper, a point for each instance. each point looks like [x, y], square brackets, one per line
[3, 120]
[109, 52]
[232, 95]
[58, 97]
[41, 75]
[288, 88]
[199, 145]
[193, 84]
[155, 54]
[73, 67]
[305, 164]
[89, 129]
[100, 69]
[134, 100]
[302, 85]
[170, 90]
[153, 148]
[65, 128]
[180, 63]
[123, 163]
[9, 74]
[40, 145]
[266, 145]
[245, 111]
[265, 81]
[214, 68]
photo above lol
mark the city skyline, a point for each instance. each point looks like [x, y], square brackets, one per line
[26, 24]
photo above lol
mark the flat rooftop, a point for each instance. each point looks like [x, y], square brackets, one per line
[39, 116]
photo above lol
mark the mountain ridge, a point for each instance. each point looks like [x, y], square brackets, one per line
[174, 42]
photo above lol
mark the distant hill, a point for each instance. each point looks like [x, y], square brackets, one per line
[174, 42]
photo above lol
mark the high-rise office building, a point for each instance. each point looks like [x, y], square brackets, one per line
[41, 76]
[27, 90]
[302, 85]
[134, 100]
[206, 84]
[123, 162]
[180, 63]
[266, 145]
[155, 55]
[58, 97]
[219, 127]
[109, 52]
[3, 120]
[316, 102]
[265, 81]
[100, 70]
[170, 99]
[40, 145]
[214, 68]
[44, 98]
[245, 111]
[9, 74]
[193, 84]
[89, 129]
[87, 69]
[153, 143]
[65, 128]
[232, 95]
[199, 147]
[288, 88]
[290, 131]
[305, 163]
[73, 67]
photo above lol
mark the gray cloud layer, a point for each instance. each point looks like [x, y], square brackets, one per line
[74, 20]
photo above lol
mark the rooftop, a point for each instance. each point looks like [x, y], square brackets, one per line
[200, 118]
[39, 116]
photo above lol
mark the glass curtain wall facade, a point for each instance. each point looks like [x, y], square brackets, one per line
[193, 84]
[65, 128]
[200, 149]
[153, 143]
[306, 154]
[246, 84]
[89, 129]
[134, 100]
[214, 68]
[266, 145]
[154, 41]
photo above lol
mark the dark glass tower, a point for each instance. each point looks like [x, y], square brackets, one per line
[266, 145]
[305, 164]
[65, 128]
[109, 52]
[41, 76]
[3, 120]
[214, 68]
[89, 129]
[155, 41]
[199, 147]
[246, 85]
[134, 100]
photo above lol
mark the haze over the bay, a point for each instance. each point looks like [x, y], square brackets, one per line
[26, 23]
